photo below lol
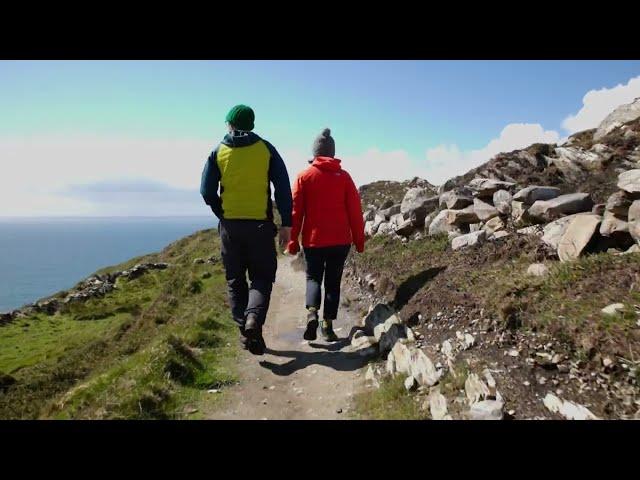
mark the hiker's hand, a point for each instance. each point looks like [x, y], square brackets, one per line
[293, 247]
[284, 237]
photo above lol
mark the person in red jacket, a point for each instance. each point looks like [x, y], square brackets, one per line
[327, 211]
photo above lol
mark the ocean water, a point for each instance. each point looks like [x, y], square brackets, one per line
[39, 257]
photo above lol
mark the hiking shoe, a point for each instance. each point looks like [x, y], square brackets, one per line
[311, 332]
[244, 341]
[327, 331]
[253, 332]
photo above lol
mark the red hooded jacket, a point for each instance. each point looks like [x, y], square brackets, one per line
[326, 207]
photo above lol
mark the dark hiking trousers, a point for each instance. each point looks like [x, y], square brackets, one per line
[327, 262]
[248, 246]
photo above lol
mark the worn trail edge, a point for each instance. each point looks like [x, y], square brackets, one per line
[295, 379]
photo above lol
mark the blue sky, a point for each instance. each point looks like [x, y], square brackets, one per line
[389, 118]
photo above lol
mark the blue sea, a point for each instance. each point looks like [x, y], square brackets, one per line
[39, 257]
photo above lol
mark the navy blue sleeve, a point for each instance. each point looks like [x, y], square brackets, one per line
[209, 184]
[279, 176]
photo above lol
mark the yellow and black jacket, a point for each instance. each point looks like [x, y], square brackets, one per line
[244, 166]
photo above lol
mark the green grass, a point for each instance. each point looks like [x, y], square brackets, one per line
[390, 402]
[147, 350]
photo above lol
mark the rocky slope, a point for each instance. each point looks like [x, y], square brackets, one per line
[512, 292]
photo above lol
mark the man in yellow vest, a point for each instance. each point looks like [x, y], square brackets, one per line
[243, 166]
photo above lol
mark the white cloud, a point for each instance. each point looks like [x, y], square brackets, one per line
[446, 161]
[597, 104]
[366, 167]
[37, 171]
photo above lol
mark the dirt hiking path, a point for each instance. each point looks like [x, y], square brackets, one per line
[295, 379]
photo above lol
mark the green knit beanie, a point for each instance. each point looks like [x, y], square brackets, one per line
[241, 117]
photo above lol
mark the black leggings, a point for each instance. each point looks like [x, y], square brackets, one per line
[327, 262]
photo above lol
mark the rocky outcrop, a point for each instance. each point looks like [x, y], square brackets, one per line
[96, 286]
[622, 114]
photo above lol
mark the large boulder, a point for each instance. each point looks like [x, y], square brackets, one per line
[549, 210]
[486, 187]
[418, 197]
[456, 199]
[484, 211]
[613, 225]
[622, 114]
[396, 220]
[440, 224]
[553, 232]
[423, 369]
[618, 204]
[369, 214]
[377, 316]
[417, 216]
[629, 181]
[502, 201]
[469, 240]
[405, 229]
[578, 235]
[579, 157]
[389, 212]
[493, 225]
[369, 230]
[634, 220]
[384, 228]
[533, 193]
[462, 217]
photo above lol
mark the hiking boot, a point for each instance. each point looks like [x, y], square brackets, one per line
[244, 341]
[253, 332]
[311, 332]
[327, 331]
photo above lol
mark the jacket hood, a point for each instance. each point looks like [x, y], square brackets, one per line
[240, 139]
[327, 163]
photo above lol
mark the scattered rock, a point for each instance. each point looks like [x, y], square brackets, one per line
[410, 383]
[549, 210]
[469, 240]
[615, 309]
[567, 409]
[629, 181]
[619, 204]
[440, 224]
[456, 199]
[537, 270]
[533, 193]
[622, 114]
[437, 405]
[579, 233]
[487, 410]
[486, 187]
[475, 389]
[502, 201]
[483, 210]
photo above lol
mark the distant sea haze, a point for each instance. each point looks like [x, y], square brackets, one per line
[41, 256]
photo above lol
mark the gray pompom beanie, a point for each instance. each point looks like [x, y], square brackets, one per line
[323, 145]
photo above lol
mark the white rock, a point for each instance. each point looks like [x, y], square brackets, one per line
[552, 232]
[469, 341]
[437, 405]
[629, 181]
[489, 378]
[377, 315]
[410, 383]
[537, 270]
[469, 240]
[422, 368]
[467, 215]
[381, 328]
[634, 221]
[502, 201]
[533, 193]
[548, 210]
[447, 349]
[622, 114]
[493, 225]
[484, 210]
[577, 236]
[569, 410]
[475, 389]
[487, 410]
[486, 187]
[612, 225]
[441, 225]
[615, 309]
[499, 235]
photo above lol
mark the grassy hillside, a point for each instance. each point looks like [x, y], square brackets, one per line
[150, 349]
